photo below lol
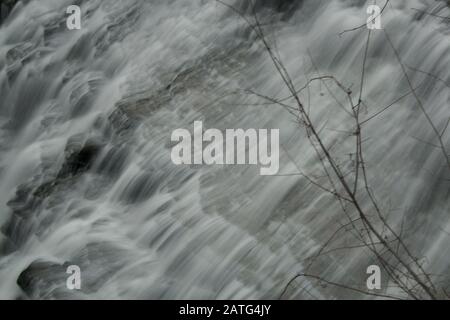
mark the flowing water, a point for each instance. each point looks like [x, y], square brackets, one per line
[86, 117]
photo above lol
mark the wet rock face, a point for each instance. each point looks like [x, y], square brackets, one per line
[28, 200]
[6, 7]
[279, 5]
[285, 7]
[80, 161]
[46, 277]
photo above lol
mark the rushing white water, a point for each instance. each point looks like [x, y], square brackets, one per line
[86, 118]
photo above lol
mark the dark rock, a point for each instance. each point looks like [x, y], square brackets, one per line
[79, 161]
[6, 7]
[285, 7]
[46, 280]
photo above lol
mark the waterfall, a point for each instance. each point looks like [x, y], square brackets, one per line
[86, 118]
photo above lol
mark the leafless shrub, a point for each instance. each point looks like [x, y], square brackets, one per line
[367, 224]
